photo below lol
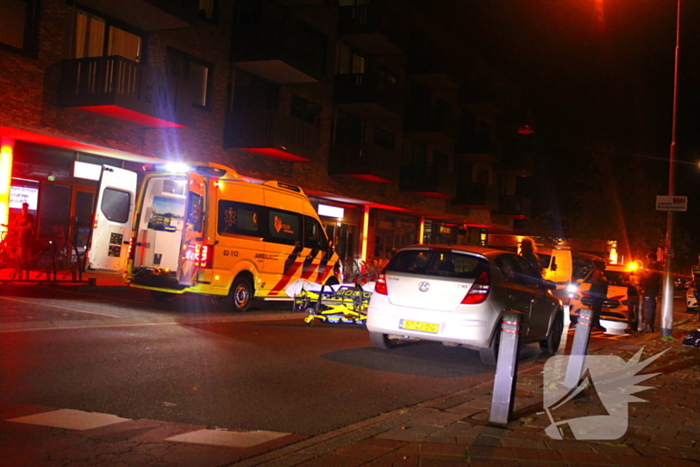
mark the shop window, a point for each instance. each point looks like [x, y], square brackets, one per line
[18, 25]
[96, 37]
[305, 110]
[384, 139]
[195, 72]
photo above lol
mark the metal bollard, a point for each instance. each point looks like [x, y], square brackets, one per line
[506, 370]
[579, 349]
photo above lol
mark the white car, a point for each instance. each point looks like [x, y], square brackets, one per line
[615, 316]
[457, 295]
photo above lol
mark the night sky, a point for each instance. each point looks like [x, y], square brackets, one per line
[598, 75]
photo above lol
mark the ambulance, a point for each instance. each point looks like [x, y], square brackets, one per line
[200, 228]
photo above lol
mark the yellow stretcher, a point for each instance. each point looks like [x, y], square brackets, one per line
[334, 304]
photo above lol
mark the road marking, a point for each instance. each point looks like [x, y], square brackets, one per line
[233, 439]
[78, 420]
[62, 308]
[70, 419]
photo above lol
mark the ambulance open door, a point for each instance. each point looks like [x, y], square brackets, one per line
[111, 230]
[192, 244]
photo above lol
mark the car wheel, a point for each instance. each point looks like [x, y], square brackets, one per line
[241, 294]
[163, 297]
[489, 355]
[381, 341]
[551, 344]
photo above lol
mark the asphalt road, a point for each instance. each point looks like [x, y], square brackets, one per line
[114, 350]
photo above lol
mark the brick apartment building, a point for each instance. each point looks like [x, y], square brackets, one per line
[370, 106]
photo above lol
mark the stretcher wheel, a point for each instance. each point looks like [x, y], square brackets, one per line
[309, 320]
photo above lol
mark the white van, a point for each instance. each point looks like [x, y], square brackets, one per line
[202, 229]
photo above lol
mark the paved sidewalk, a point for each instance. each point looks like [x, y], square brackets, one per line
[448, 431]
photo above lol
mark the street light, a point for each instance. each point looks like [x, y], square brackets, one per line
[667, 296]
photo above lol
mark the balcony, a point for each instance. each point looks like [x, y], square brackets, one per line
[517, 207]
[285, 52]
[365, 162]
[273, 134]
[123, 89]
[431, 67]
[367, 94]
[149, 15]
[433, 182]
[431, 125]
[518, 165]
[372, 29]
[476, 196]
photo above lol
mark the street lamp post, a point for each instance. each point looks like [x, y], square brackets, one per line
[667, 297]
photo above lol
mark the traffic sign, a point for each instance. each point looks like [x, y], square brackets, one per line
[671, 203]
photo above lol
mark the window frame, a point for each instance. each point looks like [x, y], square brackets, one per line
[30, 34]
[187, 60]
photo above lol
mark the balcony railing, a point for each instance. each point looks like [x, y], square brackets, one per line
[273, 134]
[124, 89]
[431, 125]
[368, 93]
[476, 196]
[373, 29]
[281, 52]
[516, 206]
[364, 161]
[428, 181]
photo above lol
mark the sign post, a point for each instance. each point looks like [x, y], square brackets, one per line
[670, 204]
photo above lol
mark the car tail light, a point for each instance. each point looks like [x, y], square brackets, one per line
[479, 290]
[380, 286]
[206, 256]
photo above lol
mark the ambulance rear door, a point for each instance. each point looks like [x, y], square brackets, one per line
[192, 230]
[114, 211]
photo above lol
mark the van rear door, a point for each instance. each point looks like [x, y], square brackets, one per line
[192, 231]
[111, 231]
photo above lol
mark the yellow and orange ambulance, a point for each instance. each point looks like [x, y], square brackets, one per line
[200, 228]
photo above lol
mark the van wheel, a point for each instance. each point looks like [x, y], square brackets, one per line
[489, 355]
[551, 344]
[163, 297]
[381, 341]
[241, 294]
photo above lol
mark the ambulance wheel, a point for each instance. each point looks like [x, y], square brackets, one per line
[381, 341]
[241, 294]
[163, 297]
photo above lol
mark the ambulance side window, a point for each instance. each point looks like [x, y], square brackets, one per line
[194, 211]
[240, 218]
[284, 227]
[314, 235]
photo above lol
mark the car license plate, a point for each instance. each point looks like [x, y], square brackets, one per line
[419, 326]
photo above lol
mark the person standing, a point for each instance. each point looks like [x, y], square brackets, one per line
[598, 291]
[529, 252]
[24, 226]
[632, 301]
[651, 287]
[695, 273]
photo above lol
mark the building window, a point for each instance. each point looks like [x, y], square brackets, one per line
[98, 37]
[17, 25]
[384, 139]
[207, 9]
[305, 110]
[349, 61]
[194, 72]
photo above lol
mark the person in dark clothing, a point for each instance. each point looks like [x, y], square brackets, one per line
[529, 252]
[24, 227]
[651, 288]
[598, 291]
[632, 301]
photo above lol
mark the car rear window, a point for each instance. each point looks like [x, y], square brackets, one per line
[443, 263]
